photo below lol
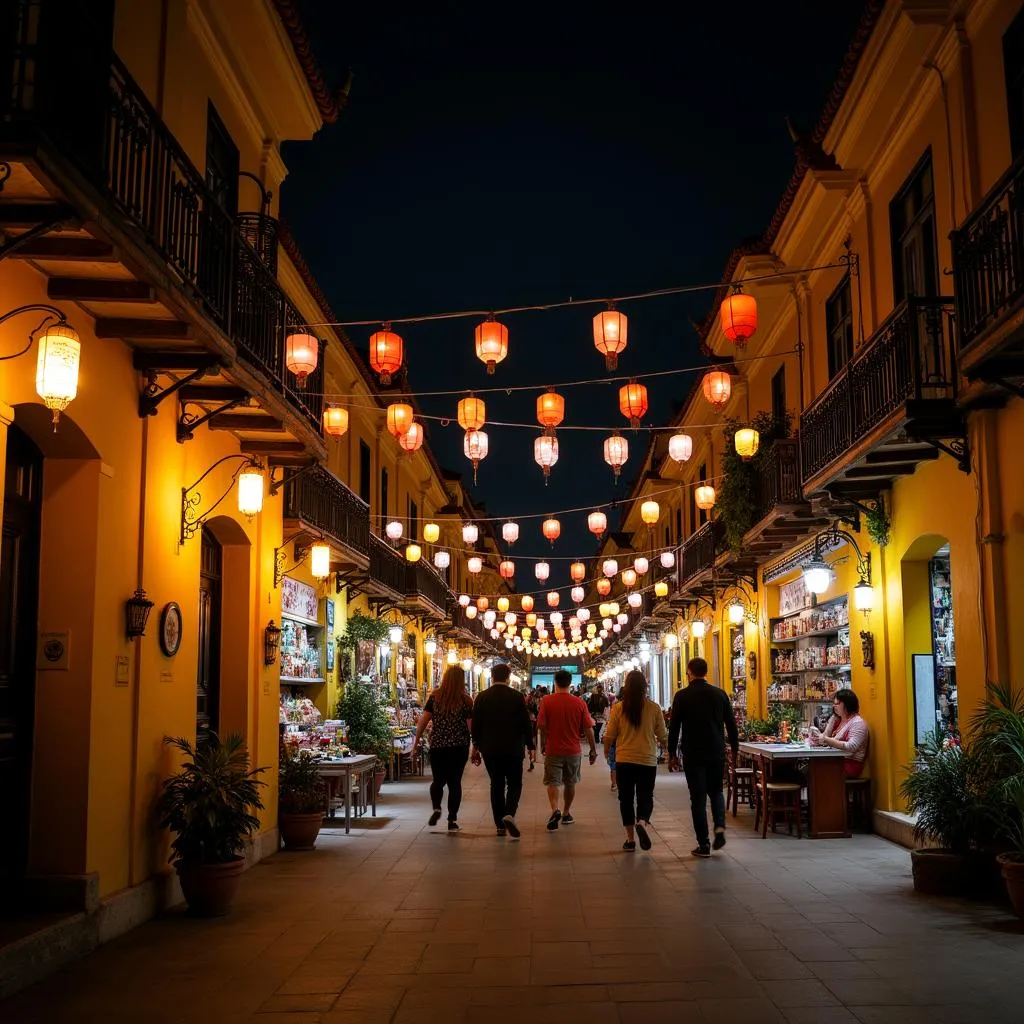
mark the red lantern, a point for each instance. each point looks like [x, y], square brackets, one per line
[491, 343]
[386, 353]
[597, 523]
[399, 418]
[550, 410]
[527, 603]
[335, 420]
[610, 332]
[412, 439]
[604, 586]
[633, 402]
[577, 571]
[739, 317]
[472, 412]
[302, 350]
[507, 569]
[717, 387]
[551, 529]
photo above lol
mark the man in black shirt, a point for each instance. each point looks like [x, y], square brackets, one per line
[597, 705]
[501, 730]
[700, 712]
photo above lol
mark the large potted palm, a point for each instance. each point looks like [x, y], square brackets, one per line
[300, 795]
[208, 804]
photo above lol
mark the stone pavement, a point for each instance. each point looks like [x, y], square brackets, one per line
[400, 923]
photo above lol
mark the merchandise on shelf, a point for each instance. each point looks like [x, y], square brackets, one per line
[299, 651]
[830, 617]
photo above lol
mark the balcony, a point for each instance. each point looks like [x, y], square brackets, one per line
[104, 200]
[386, 577]
[317, 503]
[695, 560]
[426, 593]
[988, 275]
[892, 407]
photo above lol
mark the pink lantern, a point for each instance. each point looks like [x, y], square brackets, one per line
[668, 559]
[610, 567]
[641, 565]
[552, 598]
[680, 447]
[510, 532]
[577, 594]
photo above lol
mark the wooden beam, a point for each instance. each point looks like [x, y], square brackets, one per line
[275, 448]
[102, 289]
[28, 215]
[62, 247]
[211, 393]
[881, 471]
[143, 328]
[155, 359]
[916, 453]
[244, 421]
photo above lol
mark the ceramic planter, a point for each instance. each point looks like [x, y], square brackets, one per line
[941, 873]
[209, 889]
[1012, 867]
[299, 831]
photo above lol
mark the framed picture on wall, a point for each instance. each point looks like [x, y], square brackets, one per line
[330, 654]
[329, 612]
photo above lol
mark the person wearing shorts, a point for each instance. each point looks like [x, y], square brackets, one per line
[561, 720]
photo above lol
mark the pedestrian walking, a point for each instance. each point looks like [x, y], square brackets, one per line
[449, 713]
[597, 705]
[502, 732]
[701, 715]
[561, 720]
[635, 726]
[609, 754]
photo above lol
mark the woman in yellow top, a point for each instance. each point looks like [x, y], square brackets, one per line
[635, 726]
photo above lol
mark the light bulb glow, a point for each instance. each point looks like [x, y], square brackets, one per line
[250, 492]
[320, 561]
[817, 576]
[431, 532]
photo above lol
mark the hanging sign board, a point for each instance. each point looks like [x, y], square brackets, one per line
[793, 597]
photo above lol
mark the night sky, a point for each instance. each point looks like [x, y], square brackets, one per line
[486, 162]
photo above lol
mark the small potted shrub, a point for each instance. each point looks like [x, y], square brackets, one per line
[208, 804]
[300, 799]
[369, 731]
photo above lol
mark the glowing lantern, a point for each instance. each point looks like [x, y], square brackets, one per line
[604, 587]
[611, 329]
[597, 523]
[717, 388]
[545, 453]
[650, 512]
[250, 491]
[510, 532]
[442, 560]
[470, 533]
[472, 412]
[697, 629]
[482, 604]
[475, 447]
[541, 570]
[704, 497]
[57, 368]
[617, 628]
[661, 589]
[633, 402]
[667, 559]
[552, 598]
[531, 619]
[577, 571]
[474, 564]
[641, 565]
[606, 623]
[577, 594]
[616, 451]
[613, 608]
[680, 447]
[412, 439]
[551, 529]
[507, 569]
[556, 618]
[510, 618]
[622, 618]
[736, 613]
[301, 352]
[550, 410]
[629, 578]
[464, 599]
[527, 603]
[610, 567]
[491, 343]
[386, 353]
[399, 418]
[335, 420]
[671, 641]
[471, 612]
[583, 614]
[863, 597]
[739, 317]
[394, 530]
[817, 576]
[320, 561]
[431, 532]
[635, 600]
[747, 440]
[413, 553]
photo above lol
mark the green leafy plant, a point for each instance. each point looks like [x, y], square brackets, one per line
[300, 786]
[998, 730]
[878, 523]
[208, 802]
[361, 627]
[369, 731]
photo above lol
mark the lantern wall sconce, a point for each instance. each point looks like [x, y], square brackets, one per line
[137, 609]
[301, 554]
[818, 573]
[271, 638]
[251, 478]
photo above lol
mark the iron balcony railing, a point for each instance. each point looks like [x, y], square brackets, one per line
[698, 552]
[320, 499]
[778, 481]
[910, 357]
[423, 581]
[988, 256]
[387, 567]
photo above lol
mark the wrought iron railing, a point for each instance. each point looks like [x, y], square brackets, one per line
[423, 581]
[260, 232]
[386, 566]
[778, 480]
[320, 499]
[988, 256]
[698, 552]
[911, 356]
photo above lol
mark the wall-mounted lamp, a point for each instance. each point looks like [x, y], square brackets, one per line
[430, 646]
[736, 612]
[137, 609]
[698, 629]
[319, 555]
[271, 638]
[250, 478]
[395, 634]
[818, 573]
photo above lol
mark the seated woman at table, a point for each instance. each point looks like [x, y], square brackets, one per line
[846, 731]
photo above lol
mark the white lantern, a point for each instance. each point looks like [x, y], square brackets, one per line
[471, 612]
[671, 640]
[394, 530]
[57, 368]
[583, 614]
[442, 559]
[736, 613]
[817, 576]
[250, 491]
[542, 570]
[510, 532]
[320, 561]
[606, 623]
[430, 646]
[395, 634]
[510, 618]
[680, 447]
[635, 600]
[470, 533]
[697, 629]
[453, 656]
[474, 564]
[617, 628]
[668, 559]
[577, 594]
[640, 566]
[610, 567]
[556, 618]
[863, 597]
[622, 618]
[464, 600]
[467, 664]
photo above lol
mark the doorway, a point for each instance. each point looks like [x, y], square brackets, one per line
[19, 609]
[209, 619]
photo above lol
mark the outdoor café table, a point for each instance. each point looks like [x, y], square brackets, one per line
[344, 768]
[826, 784]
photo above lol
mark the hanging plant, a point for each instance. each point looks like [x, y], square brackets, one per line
[361, 627]
[878, 523]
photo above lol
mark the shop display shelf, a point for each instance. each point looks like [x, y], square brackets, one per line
[298, 681]
[739, 679]
[815, 632]
[806, 671]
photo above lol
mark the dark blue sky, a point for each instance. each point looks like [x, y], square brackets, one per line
[486, 162]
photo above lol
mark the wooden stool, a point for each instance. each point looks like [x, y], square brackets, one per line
[778, 798]
[858, 804]
[741, 784]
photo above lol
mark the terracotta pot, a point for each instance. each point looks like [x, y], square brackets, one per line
[941, 873]
[299, 831]
[209, 889]
[1012, 867]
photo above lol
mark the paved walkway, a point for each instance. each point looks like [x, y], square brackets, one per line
[400, 923]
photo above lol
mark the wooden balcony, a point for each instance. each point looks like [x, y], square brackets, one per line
[426, 593]
[891, 408]
[695, 561]
[383, 580]
[318, 503]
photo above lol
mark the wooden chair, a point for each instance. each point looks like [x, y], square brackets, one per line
[858, 804]
[740, 783]
[777, 798]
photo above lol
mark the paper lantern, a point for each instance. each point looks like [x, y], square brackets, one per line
[633, 402]
[552, 598]
[430, 646]
[611, 329]
[635, 600]
[464, 599]
[667, 559]
[491, 343]
[545, 453]
[604, 586]
[386, 350]
[747, 440]
[301, 353]
[577, 571]
[412, 439]
[472, 412]
[531, 619]
[506, 569]
[471, 612]
[717, 388]
[527, 603]
[622, 618]
[661, 589]
[399, 418]
[680, 447]
[671, 641]
[470, 533]
[320, 561]
[739, 317]
[250, 491]
[556, 617]
[482, 604]
[550, 410]
[641, 565]
[510, 532]
[704, 496]
[610, 567]
[394, 530]
[57, 368]
[510, 618]
[736, 611]
[616, 452]
[413, 553]
[629, 578]
[597, 523]
[551, 528]
[650, 512]
[698, 629]
[442, 559]
[431, 532]
[583, 614]
[474, 564]
[475, 446]
[335, 420]
[577, 594]
[606, 623]
[541, 570]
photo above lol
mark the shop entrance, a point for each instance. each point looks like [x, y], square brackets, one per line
[930, 638]
[19, 603]
[208, 671]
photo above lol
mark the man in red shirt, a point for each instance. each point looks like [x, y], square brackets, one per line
[561, 721]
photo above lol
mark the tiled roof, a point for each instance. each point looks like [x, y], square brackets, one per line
[330, 104]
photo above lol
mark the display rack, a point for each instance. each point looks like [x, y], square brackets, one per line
[301, 647]
[943, 644]
[738, 671]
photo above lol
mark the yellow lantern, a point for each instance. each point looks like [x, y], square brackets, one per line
[472, 413]
[431, 532]
[502, 604]
[320, 561]
[650, 512]
[250, 491]
[335, 420]
[661, 589]
[413, 553]
[747, 441]
[57, 368]
[704, 497]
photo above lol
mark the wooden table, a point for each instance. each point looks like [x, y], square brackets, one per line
[344, 768]
[826, 784]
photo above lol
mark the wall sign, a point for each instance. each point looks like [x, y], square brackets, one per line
[298, 599]
[793, 597]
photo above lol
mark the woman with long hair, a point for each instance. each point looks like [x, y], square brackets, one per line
[635, 727]
[449, 713]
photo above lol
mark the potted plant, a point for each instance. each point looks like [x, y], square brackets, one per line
[359, 628]
[366, 722]
[300, 808]
[208, 804]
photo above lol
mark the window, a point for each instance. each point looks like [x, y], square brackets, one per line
[838, 328]
[414, 520]
[221, 162]
[364, 471]
[702, 516]
[779, 394]
[384, 493]
[915, 269]
[1013, 66]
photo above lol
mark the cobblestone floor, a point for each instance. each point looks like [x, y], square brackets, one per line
[401, 923]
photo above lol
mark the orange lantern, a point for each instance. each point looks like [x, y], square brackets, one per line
[472, 412]
[597, 523]
[577, 571]
[552, 598]
[633, 402]
[739, 317]
[545, 453]
[551, 529]
[527, 603]
[412, 439]
[475, 446]
[399, 418]
[704, 497]
[610, 333]
[717, 387]
[335, 420]
[507, 569]
[386, 353]
[302, 351]
[550, 410]
[483, 603]
[604, 586]
[531, 618]
[629, 577]
[616, 451]
[491, 343]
